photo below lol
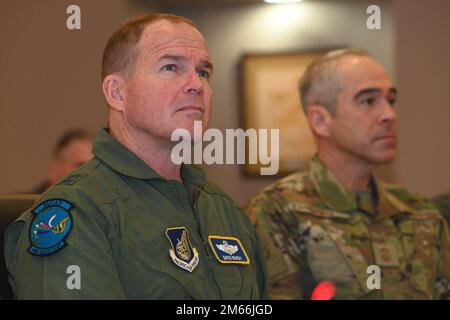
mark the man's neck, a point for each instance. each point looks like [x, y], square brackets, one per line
[155, 153]
[353, 173]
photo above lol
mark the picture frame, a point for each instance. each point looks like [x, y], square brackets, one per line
[270, 100]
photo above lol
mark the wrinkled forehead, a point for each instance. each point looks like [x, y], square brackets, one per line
[161, 35]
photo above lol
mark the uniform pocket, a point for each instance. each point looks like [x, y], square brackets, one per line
[326, 259]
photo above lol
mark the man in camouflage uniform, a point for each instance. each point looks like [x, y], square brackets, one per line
[336, 220]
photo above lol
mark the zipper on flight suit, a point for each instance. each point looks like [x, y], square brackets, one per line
[197, 219]
[205, 247]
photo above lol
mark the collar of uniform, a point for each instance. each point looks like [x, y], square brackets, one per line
[124, 161]
[390, 205]
[369, 200]
[120, 158]
[193, 174]
[339, 198]
[331, 191]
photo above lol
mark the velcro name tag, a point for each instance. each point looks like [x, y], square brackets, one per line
[228, 250]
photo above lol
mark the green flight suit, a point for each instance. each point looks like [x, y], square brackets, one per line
[121, 212]
[314, 230]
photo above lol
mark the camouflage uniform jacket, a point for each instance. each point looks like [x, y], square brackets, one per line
[442, 202]
[314, 230]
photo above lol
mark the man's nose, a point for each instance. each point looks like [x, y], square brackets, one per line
[389, 114]
[194, 83]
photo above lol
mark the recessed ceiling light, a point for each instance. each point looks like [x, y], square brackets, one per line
[282, 1]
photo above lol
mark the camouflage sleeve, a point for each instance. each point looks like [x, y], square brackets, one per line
[278, 248]
[419, 202]
[443, 278]
[442, 202]
[443, 283]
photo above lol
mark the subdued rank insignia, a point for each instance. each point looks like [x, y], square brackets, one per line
[51, 224]
[228, 250]
[182, 253]
[385, 254]
[70, 180]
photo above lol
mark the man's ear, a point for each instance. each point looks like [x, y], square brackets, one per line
[114, 91]
[320, 120]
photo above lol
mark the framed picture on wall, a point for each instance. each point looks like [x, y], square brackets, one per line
[270, 100]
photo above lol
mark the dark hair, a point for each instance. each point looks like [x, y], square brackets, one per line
[68, 137]
[120, 52]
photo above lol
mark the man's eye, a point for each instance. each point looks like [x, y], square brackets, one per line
[392, 101]
[204, 74]
[169, 67]
[369, 101]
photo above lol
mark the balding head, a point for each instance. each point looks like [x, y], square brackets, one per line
[320, 84]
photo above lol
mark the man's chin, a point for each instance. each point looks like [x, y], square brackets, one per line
[385, 157]
[195, 130]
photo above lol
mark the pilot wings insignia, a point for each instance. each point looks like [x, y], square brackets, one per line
[225, 247]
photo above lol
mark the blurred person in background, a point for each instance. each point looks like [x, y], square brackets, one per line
[71, 151]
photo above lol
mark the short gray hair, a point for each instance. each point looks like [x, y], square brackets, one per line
[320, 84]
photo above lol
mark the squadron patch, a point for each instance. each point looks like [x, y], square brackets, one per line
[182, 253]
[51, 224]
[228, 250]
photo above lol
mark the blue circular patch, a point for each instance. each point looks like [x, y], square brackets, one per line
[51, 224]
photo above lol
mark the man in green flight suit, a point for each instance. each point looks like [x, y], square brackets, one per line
[336, 230]
[132, 224]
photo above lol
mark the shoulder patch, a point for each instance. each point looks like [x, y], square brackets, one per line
[51, 224]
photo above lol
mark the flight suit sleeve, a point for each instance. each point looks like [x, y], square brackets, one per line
[83, 269]
[281, 269]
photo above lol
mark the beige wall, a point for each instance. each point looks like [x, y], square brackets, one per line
[49, 80]
[50, 76]
[423, 69]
